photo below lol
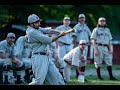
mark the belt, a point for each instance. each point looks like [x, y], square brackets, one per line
[99, 44]
[66, 44]
[67, 61]
[40, 53]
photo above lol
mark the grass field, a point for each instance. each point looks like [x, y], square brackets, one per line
[92, 80]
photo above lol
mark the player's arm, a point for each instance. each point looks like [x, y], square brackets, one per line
[110, 46]
[2, 52]
[94, 46]
[60, 35]
[4, 55]
[54, 31]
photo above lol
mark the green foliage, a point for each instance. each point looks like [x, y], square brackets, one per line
[57, 12]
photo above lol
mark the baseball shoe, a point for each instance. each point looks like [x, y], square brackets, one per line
[65, 81]
[113, 78]
[33, 82]
[86, 80]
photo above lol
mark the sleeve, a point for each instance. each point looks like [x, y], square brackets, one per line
[2, 48]
[110, 36]
[75, 58]
[58, 28]
[94, 34]
[19, 46]
[75, 28]
[13, 52]
[39, 37]
[45, 30]
[89, 32]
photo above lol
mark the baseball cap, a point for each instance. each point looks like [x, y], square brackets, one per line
[33, 18]
[11, 34]
[81, 15]
[66, 18]
[82, 42]
[101, 18]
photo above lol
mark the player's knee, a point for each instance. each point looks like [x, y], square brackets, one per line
[7, 67]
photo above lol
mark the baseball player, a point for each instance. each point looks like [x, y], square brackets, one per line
[103, 49]
[42, 67]
[7, 58]
[82, 32]
[23, 52]
[64, 43]
[76, 57]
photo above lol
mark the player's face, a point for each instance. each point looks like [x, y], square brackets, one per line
[36, 25]
[81, 20]
[102, 23]
[82, 46]
[66, 22]
[11, 40]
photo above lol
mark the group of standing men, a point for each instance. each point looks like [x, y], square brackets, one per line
[72, 50]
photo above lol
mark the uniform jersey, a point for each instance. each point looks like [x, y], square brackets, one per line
[101, 35]
[38, 41]
[5, 47]
[75, 56]
[22, 47]
[67, 38]
[82, 32]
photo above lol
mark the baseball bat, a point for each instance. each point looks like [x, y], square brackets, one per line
[69, 31]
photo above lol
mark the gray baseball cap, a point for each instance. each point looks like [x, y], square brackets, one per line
[66, 18]
[82, 42]
[11, 34]
[81, 15]
[33, 18]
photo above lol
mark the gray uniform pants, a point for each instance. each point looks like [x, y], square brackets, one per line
[43, 68]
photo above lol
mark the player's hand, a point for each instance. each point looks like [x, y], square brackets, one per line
[63, 33]
[59, 43]
[96, 52]
[111, 52]
[14, 61]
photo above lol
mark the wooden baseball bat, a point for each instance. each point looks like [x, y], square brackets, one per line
[69, 31]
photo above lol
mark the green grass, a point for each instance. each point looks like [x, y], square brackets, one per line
[92, 66]
[92, 80]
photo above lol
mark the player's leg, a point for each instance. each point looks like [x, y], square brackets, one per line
[98, 59]
[82, 68]
[40, 65]
[8, 77]
[19, 71]
[108, 61]
[28, 69]
[53, 75]
[67, 72]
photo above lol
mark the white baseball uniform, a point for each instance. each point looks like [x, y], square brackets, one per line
[66, 41]
[43, 68]
[73, 58]
[22, 48]
[82, 32]
[8, 49]
[102, 36]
